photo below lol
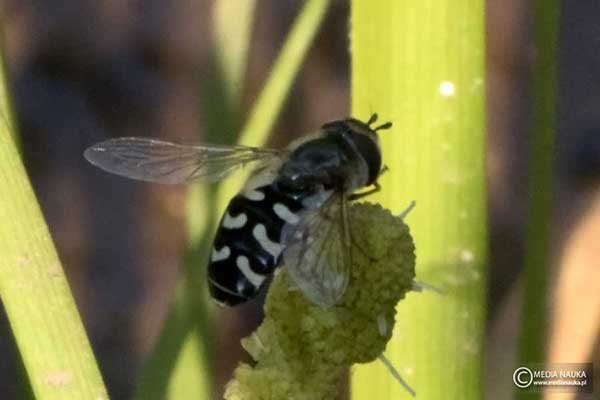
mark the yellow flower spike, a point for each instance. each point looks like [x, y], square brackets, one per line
[301, 349]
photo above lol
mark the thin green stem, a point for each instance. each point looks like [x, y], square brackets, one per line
[232, 27]
[269, 103]
[541, 172]
[189, 311]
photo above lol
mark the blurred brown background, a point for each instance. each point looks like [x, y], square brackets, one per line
[83, 71]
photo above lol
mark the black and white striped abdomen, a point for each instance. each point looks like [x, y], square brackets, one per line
[247, 245]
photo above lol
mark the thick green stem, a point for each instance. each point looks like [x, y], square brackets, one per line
[420, 64]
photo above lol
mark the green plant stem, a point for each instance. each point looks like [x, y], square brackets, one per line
[41, 310]
[420, 64]
[541, 173]
[268, 105]
[232, 31]
[232, 27]
[189, 309]
[180, 364]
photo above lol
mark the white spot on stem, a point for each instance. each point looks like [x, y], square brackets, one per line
[447, 89]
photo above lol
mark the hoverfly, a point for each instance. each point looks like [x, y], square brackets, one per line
[292, 210]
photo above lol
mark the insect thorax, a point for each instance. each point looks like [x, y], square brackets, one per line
[341, 159]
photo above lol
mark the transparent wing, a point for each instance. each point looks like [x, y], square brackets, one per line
[317, 251]
[166, 162]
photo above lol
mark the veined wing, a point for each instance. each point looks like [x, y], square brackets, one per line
[160, 161]
[317, 251]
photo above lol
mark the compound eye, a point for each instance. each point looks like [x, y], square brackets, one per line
[335, 127]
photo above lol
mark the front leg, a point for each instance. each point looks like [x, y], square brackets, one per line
[377, 187]
[356, 196]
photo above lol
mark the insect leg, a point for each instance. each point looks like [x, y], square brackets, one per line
[408, 209]
[376, 189]
[418, 286]
[356, 196]
[396, 374]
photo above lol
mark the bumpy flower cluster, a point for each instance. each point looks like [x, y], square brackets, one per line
[301, 349]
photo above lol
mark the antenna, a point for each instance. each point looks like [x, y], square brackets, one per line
[387, 125]
[373, 118]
